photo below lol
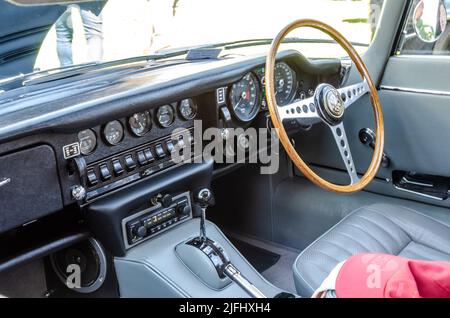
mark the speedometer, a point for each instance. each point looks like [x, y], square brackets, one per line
[244, 98]
[284, 83]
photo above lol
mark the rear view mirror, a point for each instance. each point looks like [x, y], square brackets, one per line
[430, 20]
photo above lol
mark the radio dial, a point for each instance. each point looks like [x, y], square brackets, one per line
[141, 231]
[183, 209]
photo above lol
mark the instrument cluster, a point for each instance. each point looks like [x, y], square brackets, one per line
[138, 125]
[247, 97]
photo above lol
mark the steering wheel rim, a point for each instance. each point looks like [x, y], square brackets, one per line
[328, 109]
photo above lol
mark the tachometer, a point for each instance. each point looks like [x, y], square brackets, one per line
[113, 132]
[284, 83]
[140, 123]
[165, 116]
[244, 98]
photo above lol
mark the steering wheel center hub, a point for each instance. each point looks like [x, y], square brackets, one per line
[330, 103]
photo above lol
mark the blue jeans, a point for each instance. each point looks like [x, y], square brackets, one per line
[92, 25]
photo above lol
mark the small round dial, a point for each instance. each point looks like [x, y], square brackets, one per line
[165, 116]
[140, 123]
[113, 132]
[87, 140]
[244, 98]
[188, 109]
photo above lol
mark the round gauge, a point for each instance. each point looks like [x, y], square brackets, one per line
[302, 95]
[284, 83]
[113, 132]
[188, 109]
[140, 123]
[87, 140]
[165, 116]
[244, 98]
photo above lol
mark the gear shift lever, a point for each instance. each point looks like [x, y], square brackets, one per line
[204, 198]
[212, 253]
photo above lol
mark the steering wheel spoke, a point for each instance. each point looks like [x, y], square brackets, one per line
[340, 137]
[305, 111]
[350, 94]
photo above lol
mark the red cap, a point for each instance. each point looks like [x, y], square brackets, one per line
[388, 276]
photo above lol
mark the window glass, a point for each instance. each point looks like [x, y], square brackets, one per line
[117, 29]
[427, 29]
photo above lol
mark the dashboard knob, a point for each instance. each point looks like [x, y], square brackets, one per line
[165, 200]
[78, 192]
[183, 209]
[141, 231]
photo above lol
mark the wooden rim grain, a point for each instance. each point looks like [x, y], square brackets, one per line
[278, 125]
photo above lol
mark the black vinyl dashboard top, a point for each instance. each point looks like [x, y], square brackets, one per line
[90, 99]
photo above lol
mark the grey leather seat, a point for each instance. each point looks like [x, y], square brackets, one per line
[381, 228]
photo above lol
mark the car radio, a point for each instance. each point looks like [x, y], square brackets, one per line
[142, 226]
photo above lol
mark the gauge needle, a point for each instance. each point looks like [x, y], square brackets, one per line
[237, 104]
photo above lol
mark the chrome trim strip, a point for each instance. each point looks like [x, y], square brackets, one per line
[422, 57]
[415, 90]
[418, 193]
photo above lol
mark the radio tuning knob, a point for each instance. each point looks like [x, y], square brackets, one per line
[183, 209]
[141, 231]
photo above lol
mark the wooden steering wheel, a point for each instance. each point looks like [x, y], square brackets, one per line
[328, 105]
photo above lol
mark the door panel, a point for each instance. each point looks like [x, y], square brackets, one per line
[415, 96]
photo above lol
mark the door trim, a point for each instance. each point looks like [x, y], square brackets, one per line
[415, 90]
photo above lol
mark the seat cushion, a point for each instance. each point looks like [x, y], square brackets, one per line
[379, 228]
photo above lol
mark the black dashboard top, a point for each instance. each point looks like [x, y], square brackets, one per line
[88, 100]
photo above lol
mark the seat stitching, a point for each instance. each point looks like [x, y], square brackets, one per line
[406, 233]
[371, 208]
[338, 246]
[354, 241]
[295, 268]
[368, 234]
[380, 213]
[420, 213]
[320, 252]
[379, 226]
[412, 252]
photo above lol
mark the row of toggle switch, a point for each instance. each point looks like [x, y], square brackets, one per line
[128, 162]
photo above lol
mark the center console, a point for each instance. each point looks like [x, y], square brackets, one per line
[155, 269]
[162, 245]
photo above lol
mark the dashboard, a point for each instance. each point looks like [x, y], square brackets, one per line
[125, 150]
[104, 137]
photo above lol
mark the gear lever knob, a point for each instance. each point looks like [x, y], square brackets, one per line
[204, 198]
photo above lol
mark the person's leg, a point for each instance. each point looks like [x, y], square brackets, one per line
[93, 25]
[64, 35]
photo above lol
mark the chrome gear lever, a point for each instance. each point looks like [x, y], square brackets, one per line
[212, 251]
[204, 198]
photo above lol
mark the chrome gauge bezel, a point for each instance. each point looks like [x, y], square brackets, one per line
[148, 127]
[193, 105]
[256, 109]
[80, 141]
[172, 111]
[293, 90]
[105, 133]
